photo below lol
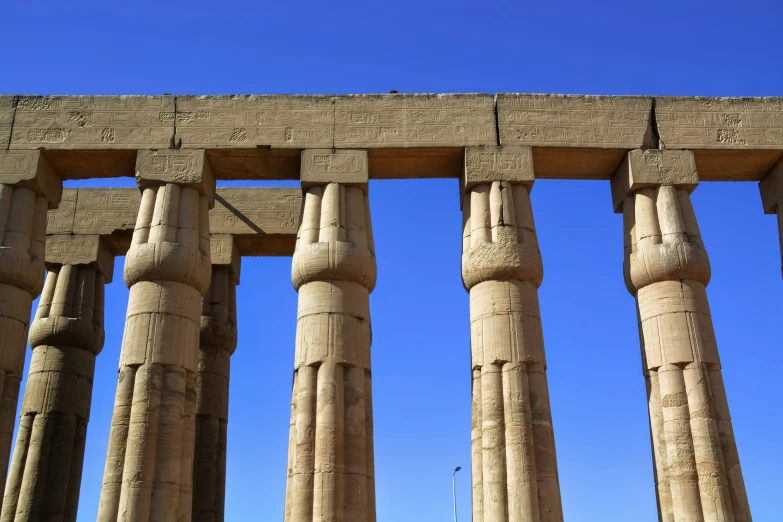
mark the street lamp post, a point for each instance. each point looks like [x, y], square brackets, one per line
[454, 491]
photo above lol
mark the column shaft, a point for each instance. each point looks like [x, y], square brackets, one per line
[218, 342]
[698, 476]
[67, 334]
[331, 470]
[30, 188]
[514, 463]
[149, 473]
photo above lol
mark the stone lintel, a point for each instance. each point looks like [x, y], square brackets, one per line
[188, 168]
[30, 169]
[321, 166]
[224, 252]
[488, 164]
[262, 221]
[771, 188]
[80, 250]
[642, 169]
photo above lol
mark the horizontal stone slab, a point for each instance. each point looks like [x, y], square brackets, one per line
[734, 139]
[93, 122]
[263, 221]
[249, 121]
[6, 119]
[414, 120]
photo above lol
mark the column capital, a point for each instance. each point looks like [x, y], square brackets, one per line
[224, 252]
[642, 169]
[771, 188]
[80, 250]
[345, 166]
[30, 169]
[187, 168]
[489, 163]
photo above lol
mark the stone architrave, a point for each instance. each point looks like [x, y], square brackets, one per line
[330, 456]
[771, 188]
[696, 464]
[66, 335]
[218, 342]
[148, 475]
[513, 448]
[28, 187]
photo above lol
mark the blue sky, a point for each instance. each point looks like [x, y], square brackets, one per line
[419, 308]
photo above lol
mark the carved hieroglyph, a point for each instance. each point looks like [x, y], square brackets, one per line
[330, 457]
[28, 186]
[512, 439]
[93, 122]
[218, 342]
[414, 120]
[6, 119]
[149, 465]
[240, 121]
[557, 120]
[696, 463]
[66, 335]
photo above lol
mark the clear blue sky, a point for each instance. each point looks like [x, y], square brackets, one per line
[420, 351]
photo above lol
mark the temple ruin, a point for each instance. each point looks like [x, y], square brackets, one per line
[183, 240]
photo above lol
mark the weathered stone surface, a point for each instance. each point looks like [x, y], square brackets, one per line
[250, 121]
[66, 335]
[93, 122]
[331, 471]
[666, 268]
[771, 189]
[575, 137]
[734, 139]
[31, 170]
[7, 104]
[80, 250]
[186, 168]
[414, 120]
[650, 168]
[321, 166]
[263, 221]
[566, 120]
[488, 164]
[514, 468]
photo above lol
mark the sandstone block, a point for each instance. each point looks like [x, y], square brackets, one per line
[488, 164]
[7, 104]
[93, 122]
[30, 169]
[414, 120]
[771, 188]
[240, 121]
[80, 250]
[734, 139]
[321, 166]
[187, 168]
[642, 169]
[223, 252]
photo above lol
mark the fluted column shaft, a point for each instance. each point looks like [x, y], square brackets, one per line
[697, 468]
[66, 335]
[330, 463]
[148, 475]
[514, 464]
[218, 342]
[29, 189]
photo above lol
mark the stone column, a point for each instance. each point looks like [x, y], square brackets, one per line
[66, 335]
[513, 447]
[148, 475]
[697, 468]
[330, 457]
[218, 342]
[28, 188]
[771, 188]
